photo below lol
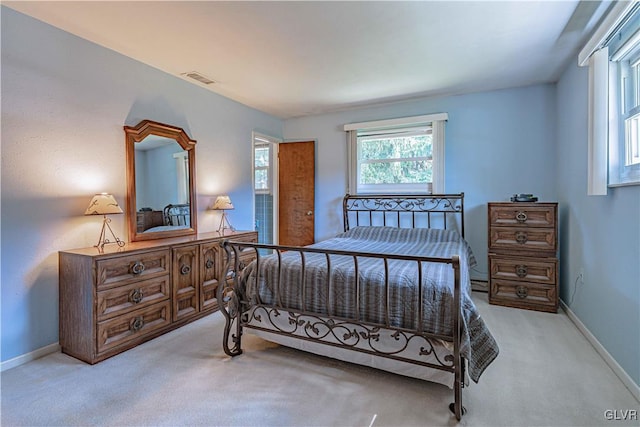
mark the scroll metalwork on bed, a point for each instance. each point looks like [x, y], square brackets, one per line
[427, 211]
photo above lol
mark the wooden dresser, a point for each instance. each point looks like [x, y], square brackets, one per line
[523, 247]
[113, 300]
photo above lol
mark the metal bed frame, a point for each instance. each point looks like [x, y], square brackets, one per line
[176, 215]
[354, 333]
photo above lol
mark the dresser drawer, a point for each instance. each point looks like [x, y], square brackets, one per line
[246, 255]
[120, 300]
[528, 215]
[136, 324]
[523, 294]
[209, 274]
[117, 271]
[541, 239]
[523, 269]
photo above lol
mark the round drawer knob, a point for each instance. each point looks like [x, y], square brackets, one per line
[136, 296]
[209, 263]
[521, 216]
[521, 271]
[137, 324]
[185, 269]
[137, 268]
[522, 291]
[521, 237]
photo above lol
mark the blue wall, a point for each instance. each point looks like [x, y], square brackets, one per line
[65, 100]
[64, 103]
[600, 235]
[497, 144]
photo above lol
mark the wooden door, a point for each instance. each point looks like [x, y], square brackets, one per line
[296, 193]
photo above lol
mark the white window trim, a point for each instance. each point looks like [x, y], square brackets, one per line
[182, 169]
[602, 167]
[436, 121]
[597, 168]
[259, 139]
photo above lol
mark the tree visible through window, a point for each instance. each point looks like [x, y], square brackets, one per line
[399, 160]
[261, 167]
[403, 155]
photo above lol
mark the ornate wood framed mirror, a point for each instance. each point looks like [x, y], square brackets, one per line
[161, 190]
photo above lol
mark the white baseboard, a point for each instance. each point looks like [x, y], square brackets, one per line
[36, 354]
[615, 367]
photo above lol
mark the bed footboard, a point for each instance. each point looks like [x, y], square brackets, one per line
[413, 344]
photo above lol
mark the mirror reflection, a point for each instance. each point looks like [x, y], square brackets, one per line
[162, 185]
[161, 193]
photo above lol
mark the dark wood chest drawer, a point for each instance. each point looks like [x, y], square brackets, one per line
[523, 215]
[543, 239]
[523, 247]
[524, 295]
[137, 324]
[117, 271]
[246, 256]
[120, 300]
[523, 269]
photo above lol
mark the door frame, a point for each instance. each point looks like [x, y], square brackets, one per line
[273, 169]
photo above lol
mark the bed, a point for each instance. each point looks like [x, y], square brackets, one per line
[172, 217]
[391, 292]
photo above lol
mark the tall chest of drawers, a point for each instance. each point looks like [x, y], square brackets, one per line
[113, 300]
[523, 262]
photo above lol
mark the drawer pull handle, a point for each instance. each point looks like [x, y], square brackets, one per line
[209, 263]
[521, 237]
[185, 269]
[521, 271]
[137, 268]
[137, 324]
[136, 296]
[522, 291]
[241, 265]
[521, 216]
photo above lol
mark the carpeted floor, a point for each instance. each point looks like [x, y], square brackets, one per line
[547, 374]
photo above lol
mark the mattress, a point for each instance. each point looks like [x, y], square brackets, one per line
[331, 289]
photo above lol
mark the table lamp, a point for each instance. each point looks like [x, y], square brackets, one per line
[223, 203]
[105, 204]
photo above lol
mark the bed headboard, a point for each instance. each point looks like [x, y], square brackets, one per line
[405, 211]
[177, 215]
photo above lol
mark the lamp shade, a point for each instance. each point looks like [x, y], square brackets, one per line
[222, 203]
[103, 204]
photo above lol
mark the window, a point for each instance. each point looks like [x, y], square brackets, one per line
[624, 65]
[262, 162]
[613, 56]
[397, 156]
[632, 140]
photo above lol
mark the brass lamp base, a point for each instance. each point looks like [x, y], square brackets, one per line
[225, 224]
[103, 240]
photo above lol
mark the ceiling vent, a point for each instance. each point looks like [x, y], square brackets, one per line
[199, 77]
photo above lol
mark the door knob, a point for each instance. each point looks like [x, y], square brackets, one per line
[309, 213]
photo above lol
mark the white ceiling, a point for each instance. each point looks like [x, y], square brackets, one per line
[294, 59]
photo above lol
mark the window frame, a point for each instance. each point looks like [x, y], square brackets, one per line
[396, 188]
[610, 54]
[431, 124]
[268, 167]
